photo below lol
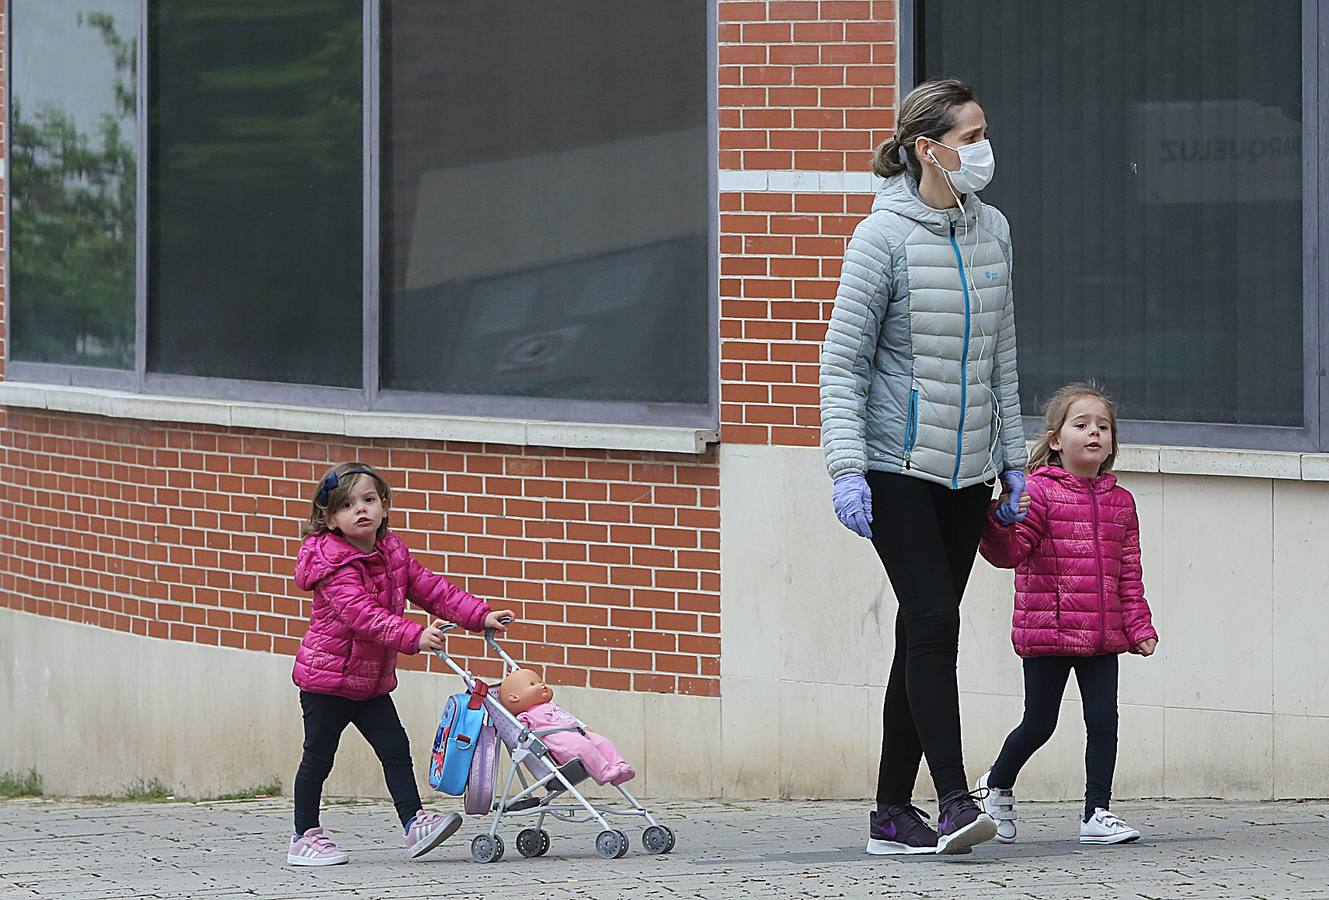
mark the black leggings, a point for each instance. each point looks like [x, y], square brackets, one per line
[1044, 682]
[927, 536]
[326, 717]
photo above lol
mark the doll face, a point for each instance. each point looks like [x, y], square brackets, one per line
[523, 689]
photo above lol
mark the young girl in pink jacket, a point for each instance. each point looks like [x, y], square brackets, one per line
[362, 575]
[1079, 600]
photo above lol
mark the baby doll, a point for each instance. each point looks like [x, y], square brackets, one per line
[531, 700]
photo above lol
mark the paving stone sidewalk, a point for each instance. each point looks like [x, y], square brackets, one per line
[217, 851]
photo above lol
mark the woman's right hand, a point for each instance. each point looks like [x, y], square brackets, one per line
[853, 503]
[432, 637]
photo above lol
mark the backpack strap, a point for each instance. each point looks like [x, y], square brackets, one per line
[478, 695]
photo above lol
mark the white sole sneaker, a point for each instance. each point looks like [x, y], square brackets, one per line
[999, 812]
[892, 848]
[976, 832]
[1106, 828]
[1124, 837]
[446, 829]
[293, 860]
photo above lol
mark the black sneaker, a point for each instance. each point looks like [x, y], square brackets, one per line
[900, 829]
[961, 824]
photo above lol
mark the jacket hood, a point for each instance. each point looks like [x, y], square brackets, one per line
[1100, 485]
[320, 555]
[899, 194]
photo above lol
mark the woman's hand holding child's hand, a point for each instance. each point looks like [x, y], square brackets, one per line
[432, 637]
[1145, 647]
[492, 620]
[1008, 512]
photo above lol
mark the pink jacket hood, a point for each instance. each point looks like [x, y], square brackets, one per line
[1076, 555]
[357, 624]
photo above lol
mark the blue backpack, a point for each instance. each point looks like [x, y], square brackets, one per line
[450, 764]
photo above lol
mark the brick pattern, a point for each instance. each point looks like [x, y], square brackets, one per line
[190, 533]
[780, 257]
[805, 84]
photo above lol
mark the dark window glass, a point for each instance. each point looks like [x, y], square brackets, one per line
[73, 144]
[545, 200]
[255, 190]
[1149, 161]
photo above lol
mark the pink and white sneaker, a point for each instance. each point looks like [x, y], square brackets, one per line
[314, 848]
[427, 830]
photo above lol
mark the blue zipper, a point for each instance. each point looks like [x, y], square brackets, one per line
[911, 428]
[964, 363]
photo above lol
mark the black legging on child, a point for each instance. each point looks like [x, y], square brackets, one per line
[326, 717]
[927, 536]
[1044, 682]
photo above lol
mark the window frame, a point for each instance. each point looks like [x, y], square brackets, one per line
[370, 397]
[1313, 436]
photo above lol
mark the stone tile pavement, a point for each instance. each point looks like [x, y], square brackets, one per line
[217, 851]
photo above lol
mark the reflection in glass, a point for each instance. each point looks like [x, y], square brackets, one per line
[1149, 162]
[73, 147]
[256, 190]
[545, 198]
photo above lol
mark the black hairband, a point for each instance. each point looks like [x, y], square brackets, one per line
[329, 484]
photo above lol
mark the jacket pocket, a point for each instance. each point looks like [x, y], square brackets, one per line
[911, 427]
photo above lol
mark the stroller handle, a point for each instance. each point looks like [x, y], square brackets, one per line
[489, 639]
[493, 645]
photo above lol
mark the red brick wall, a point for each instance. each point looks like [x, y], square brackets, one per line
[805, 85]
[611, 559]
[190, 532]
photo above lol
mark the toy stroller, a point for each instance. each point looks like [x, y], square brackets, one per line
[527, 752]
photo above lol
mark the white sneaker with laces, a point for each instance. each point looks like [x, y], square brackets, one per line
[1105, 827]
[999, 803]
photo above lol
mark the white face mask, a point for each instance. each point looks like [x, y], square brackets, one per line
[976, 166]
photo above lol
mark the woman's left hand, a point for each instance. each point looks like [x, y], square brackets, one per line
[1014, 501]
[493, 619]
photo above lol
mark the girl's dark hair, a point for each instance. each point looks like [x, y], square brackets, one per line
[1054, 416]
[928, 111]
[333, 489]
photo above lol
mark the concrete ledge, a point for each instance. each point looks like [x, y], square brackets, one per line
[316, 420]
[1288, 466]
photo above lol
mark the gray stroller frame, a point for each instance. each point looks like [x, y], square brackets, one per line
[527, 751]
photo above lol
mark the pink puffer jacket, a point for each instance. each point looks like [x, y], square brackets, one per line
[356, 627]
[1076, 556]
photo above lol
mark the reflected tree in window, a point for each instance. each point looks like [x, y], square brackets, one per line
[72, 204]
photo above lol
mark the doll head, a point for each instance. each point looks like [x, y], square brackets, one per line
[523, 689]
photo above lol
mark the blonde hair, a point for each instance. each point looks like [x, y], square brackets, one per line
[333, 489]
[1054, 417]
[927, 111]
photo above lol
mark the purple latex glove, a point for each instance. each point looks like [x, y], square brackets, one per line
[1008, 512]
[853, 503]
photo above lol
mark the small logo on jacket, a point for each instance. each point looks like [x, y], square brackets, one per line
[990, 276]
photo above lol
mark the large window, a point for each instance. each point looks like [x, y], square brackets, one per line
[254, 190]
[72, 181]
[494, 207]
[1151, 159]
[545, 199]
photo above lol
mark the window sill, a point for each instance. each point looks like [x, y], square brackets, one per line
[314, 420]
[1282, 465]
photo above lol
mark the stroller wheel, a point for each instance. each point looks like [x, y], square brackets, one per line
[611, 844]
[532, 843]
[486, 849]
[657, 839]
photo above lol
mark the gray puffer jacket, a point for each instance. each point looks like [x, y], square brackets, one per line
[918, 367]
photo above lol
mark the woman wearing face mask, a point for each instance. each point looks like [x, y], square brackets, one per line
[920, 415]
